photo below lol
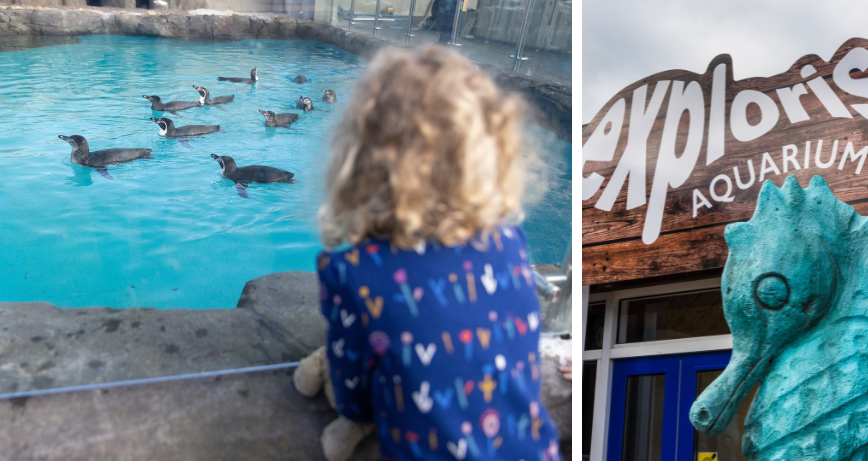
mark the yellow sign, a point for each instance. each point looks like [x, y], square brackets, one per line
[706, 457]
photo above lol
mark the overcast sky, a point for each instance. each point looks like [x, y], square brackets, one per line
[624, 41]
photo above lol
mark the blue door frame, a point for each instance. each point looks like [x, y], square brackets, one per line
[678, 395]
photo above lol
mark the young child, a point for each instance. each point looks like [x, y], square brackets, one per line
[433, 316]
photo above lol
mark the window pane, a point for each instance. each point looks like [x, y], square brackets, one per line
[589, 385]
[684, 315]
[727, 446]
[594, 327]
[643, 418]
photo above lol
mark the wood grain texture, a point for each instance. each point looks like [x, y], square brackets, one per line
[617, 233]
[682, 252]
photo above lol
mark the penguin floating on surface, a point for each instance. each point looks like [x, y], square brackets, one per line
[329, 96]
[253, 78]
[242, 176]
[99, 159]
[304, 103]
[169, 130]
[300, 79]
[206, 99]
[278, 120]
[171, 106]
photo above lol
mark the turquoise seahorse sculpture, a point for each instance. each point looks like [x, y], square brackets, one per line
[795, 295]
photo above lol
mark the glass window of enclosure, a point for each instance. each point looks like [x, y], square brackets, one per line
[675, 316]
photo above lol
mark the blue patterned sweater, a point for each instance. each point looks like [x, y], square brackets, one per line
[438, 347]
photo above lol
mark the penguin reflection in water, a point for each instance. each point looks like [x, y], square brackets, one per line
[172, 107]
[100, 159]
[253, 78]
[242, 176]
[278, 120]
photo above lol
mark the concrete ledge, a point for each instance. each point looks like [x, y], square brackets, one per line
[43, 347]
[254, 416]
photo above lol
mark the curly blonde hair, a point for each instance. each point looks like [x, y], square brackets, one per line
[428, 149]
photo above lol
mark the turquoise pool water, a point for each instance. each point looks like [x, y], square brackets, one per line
[170, 232]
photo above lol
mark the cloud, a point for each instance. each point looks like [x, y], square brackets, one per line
[626, 40]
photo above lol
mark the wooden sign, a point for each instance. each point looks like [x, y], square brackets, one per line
[672, 159]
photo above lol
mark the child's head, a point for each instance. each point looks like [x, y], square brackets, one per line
[428, 149]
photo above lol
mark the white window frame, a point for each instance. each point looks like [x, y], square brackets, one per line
[612, 351]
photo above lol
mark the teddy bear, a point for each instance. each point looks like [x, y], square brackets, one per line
[341, 436]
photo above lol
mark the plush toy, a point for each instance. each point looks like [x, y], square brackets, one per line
[341, 436]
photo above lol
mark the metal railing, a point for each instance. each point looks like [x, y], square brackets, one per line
[377, 17]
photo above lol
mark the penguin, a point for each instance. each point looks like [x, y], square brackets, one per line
[252, 173]
[169, 130]
[272, 119]
[99, 159]
[300, 79]
[329, 96]
[172, 106]
[304, 103]
[253, 78]
[205, 97]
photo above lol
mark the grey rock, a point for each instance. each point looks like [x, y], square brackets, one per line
[557, 392]
[41, 347]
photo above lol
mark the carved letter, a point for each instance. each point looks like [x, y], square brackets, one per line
[792, 106]
[792, 157]
[738, 124]
[767, 160]
[738, 178]
[857, 58]
[633, 159]
[699, 201]
[716, 118]
[727, 196]
[600, 147]
[831, 160]
[849, 150]
[671, 169]
[820, 88]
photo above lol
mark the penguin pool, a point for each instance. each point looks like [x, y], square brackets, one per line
[170, 232]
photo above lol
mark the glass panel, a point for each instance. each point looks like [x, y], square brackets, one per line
[594, 327]
[489, 30]
[548, 44]
[684, 315]
[727, 446]
[589, 385]
[643, 418]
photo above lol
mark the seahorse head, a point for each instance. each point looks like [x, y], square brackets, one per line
[779, 282]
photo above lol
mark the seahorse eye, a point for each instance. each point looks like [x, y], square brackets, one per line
[772, 291]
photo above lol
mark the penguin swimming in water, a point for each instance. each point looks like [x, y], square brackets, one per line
[329, 96]
[304, 103]
[300, 79]
[253, 78]
[272, 119]
[171, 106]
[206, 99]
[169, 130]
[99, 159]
[251, 173]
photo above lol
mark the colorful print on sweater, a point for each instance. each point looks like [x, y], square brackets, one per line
[438, 346]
